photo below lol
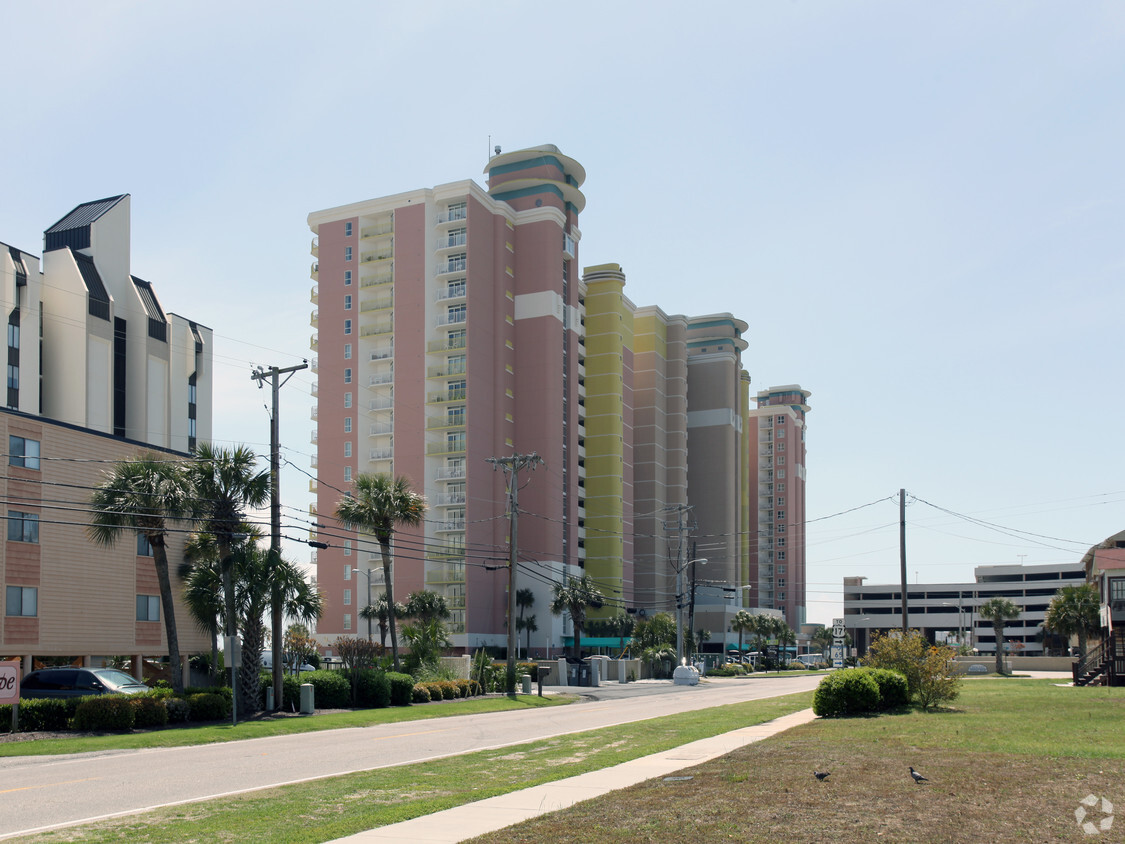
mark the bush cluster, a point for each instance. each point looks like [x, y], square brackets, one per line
[208, 706]
[150, 711]
[421, 694]
[857, 691]
[402, 688]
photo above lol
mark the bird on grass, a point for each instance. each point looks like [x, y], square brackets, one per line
[918, 778]
[821, 775]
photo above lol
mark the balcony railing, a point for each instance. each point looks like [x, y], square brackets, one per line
[450, 344]
[376, 330]
[456, 318]
[448, 499]
[380, 428]
[314, 294]
[315, 247]
[380, 303]
[451, 525]
[435, 422]
[381, 454]
[446, 370]
[377, 231]
[450, 473]
[452, 216]
[455, 447]
[314, 269]
[450, 293]
[368, 257]
[383, 354]
[446, 395]
[314, 318]
[313, 341]
[381, 403]
[379, 380]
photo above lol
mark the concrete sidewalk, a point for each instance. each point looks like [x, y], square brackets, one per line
[473, 819]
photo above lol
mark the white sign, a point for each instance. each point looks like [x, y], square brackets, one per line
[10, 681]
[838, 630]
[837, 656]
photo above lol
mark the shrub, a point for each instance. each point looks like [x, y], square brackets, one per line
[475, 688]
[464, 687]
[449, 691]
[373, 689]
[929, 669]
[48, 714]
[178, 710]
[402, 688]
[893, 689]
[420, 694]
[846, 692]
[208, 706]
[331, 689]
[149, 711]
[113, 713]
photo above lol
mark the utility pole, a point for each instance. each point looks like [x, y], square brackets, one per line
[511, 466]
[902, 553]
[259, 374]
[679, 565]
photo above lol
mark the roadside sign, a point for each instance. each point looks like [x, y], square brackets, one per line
[837, 656]
[10, 681]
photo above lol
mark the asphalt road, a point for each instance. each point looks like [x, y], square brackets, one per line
[39, 793]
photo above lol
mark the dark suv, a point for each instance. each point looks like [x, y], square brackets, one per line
[78, 682]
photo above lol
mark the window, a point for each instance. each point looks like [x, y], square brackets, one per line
[148, 608]
[781, 596]
[455, 289]
[780, 433]
[22, 451]
[1117, 590]
[347, 571]
[781, 568]
[455, 441]
[456, 237]
[347, 424]
[457, 211]
[347, 253]
[781, 473]
[781, 583]
[348, 302]
[347, 326]
[13, 377]
[347, 278]
[347, 351]
[348, 375]
[456, 263]
[455, 314]
[781, 446]
[781, 487]
[13, 335]
[455, 415]
[456, 391]
[781, 501]
[21, 601]
[347, 399]
[456, 365]
[456, 339]
[781, 542]
[23, 527]
[348, 449]
[781, 460]
[348, 473]
[780, 515]
[144, 547]
[347, 621]
[781, 555]
[781, 528]
[347, 597]
[347, 229]
[780, 420]
[347, 550]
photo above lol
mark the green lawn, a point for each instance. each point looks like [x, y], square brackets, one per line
[1009, 761]
[326, 809]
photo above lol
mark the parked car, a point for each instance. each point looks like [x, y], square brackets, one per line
[79, 682]
[267, 663]
[811, 660]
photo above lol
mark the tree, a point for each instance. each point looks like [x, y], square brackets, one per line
[376, 504]
[381, 612]
[742, 623]
[574, 597]
[300, 647]
[929, 670]
[824, 640]
[425, 606]
[427, 639]
[1075, 611]
[525, 600]
[654, 641]
[141, 496]
[786, 636]
[998, 611]
[527, 625]
[226, 482]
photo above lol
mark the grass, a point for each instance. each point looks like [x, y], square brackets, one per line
[332, 808]
[1008, 763]
[209, 733]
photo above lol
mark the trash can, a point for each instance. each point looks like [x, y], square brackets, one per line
[307, 707]
[269, 698]
[525, 684]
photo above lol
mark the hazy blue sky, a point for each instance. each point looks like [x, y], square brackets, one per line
[918, 208]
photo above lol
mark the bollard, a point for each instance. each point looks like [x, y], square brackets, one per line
[525, 684]
[307, 699]
[269, 698]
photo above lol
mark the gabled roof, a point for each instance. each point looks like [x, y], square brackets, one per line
[85, 214]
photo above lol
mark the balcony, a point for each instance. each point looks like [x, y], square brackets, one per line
[381, 403]
[313, 413]
[314, 364]
[384, 353]
[451, 240]
[381, 379]
[451, 525]
[379, 429]
[315, 247]
[377, 231]
[376, 280]
[445, 396]
[312, 462]
[447, 550]
[313, 341]
[434, 423]
[314, 294]
[379, 303]
[376, 330]
[453, 215]
[450, 294]
[453, 264]
[450, 344]
[454, 447]
[381, 454]
[448, 499]
[456, 318]
[450, 473]
[370, 257]
[457, 370]
[312, 436]
[446, 574]
[314, 269]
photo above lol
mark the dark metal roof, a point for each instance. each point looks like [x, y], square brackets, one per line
[148, 299]
[73, 230]
[90, 275]
[21, 270]
[85, 214]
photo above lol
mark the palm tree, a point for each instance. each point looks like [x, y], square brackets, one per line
[528, 625]
[786, 636]
[375, 506]
[226, 481]
[1075, 610]
[525, 600]
[823, 639]
[380, 611]
[574, 597]
[426, 606]
[742, 623]
[998, 611]
[141, 496]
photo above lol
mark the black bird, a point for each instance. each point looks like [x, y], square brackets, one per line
[918, 778]
[821, 775]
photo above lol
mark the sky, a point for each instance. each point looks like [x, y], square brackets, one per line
[918, 209]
